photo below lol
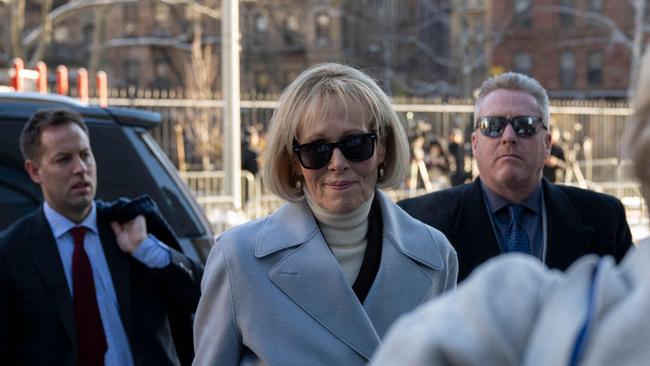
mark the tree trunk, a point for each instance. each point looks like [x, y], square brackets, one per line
[17, 25]
[97, 47]
[46, 36]
[639, 7]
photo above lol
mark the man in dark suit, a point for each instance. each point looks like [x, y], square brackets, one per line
[510, 207]
[76, 287]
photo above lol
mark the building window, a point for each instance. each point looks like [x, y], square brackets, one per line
[523, 13]
[523, 63]
[260, 23]
[262, 82]
[595, 69]
[291, 23]
[323, 28]
[567, 70]
[87, 31]
[130, 16]
[290, 28]
[162, 73]
[567, 16]
[594, 8]
[260, 29]
[131, 71]
[595, 5]
[162, 19]
[61, 34]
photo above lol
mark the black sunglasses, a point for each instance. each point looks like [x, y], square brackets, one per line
[316, 155]
[524, 126]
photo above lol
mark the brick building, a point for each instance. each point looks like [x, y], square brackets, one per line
[568, 45]
[146, 44]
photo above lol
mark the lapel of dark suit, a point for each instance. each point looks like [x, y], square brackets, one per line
[567, 237]
[472, 235]
[43, 252]
[118, 263]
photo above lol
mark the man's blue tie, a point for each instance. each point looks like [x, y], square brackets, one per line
[517, 240]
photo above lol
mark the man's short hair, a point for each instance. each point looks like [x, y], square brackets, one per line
[516, 82]
[30, 137]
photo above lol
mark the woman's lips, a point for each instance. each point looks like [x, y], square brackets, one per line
[340, 185]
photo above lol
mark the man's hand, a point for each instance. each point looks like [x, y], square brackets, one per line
[131, 234]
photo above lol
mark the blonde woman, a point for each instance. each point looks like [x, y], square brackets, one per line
[319, 281]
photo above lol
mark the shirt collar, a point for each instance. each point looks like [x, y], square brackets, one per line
[533, 202]
[61, 225]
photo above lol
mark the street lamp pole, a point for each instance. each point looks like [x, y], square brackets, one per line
[230, 49]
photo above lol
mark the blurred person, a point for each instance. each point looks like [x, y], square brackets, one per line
[510, 206]
[515, 311]
[456, 149]
[417, 168]
[319, 281]
[248, 153]
[80, 283]
[437, 163]
[554, 166]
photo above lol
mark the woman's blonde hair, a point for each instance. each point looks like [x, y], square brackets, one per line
[307, 100]
[637, 144]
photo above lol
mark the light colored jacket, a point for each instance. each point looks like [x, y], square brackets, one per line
[274, 294]
[514, 311]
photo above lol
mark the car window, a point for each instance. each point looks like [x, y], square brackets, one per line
[126, 167]
[18, 195]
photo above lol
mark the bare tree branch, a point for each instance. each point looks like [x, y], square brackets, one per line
[64, 10]
[17, 26]
[202, 125]
[45, 36]
[634, 44]
[618, 35]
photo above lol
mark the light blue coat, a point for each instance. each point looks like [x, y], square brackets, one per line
[274, 294]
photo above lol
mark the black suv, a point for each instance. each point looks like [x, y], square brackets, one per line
[129, 164]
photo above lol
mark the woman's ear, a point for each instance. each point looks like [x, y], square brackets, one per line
[381, 152]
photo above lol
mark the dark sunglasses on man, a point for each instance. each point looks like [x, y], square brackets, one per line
[524, 126]
[355, 148]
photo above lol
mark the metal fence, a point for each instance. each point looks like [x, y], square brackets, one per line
[590, 130]
[590, 134]
[257, 202]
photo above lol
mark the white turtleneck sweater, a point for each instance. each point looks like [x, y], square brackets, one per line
[345, 234]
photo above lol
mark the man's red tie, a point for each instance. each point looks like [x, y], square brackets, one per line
[91, 341]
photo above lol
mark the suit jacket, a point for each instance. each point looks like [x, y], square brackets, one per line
[274, 294]
[36, 310]
[579, 222]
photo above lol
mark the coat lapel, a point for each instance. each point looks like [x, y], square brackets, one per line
[42, 249]
[568, 238]
[473, 235]
[312, 278]
[400, 286]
